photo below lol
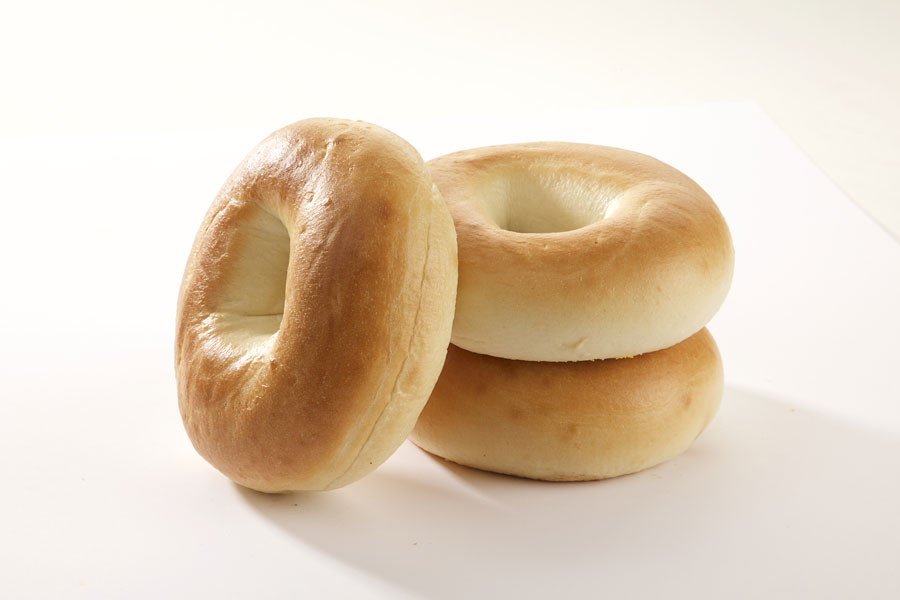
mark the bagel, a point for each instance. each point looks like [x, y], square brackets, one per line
[572, 252]
[315, 309]
[571, 421]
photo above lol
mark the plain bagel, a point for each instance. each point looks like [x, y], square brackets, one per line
[316, 307]
[572, 421]
[572, 252]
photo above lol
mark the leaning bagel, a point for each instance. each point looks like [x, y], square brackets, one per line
[316, 307]
[573, 252]
[572, 421]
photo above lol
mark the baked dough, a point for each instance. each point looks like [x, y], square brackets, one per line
[571, 252]
[316, 307]
[572, 421]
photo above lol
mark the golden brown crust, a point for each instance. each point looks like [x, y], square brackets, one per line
[367, 307]
[646, 262]
[572, 421]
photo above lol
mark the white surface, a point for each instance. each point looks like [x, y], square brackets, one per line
[828, 71]
[792, 492]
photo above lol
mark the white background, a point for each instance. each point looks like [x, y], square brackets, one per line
[827, 71]
[120, 124]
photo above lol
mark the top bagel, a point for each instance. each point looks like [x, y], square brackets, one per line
[574, 252]
[316, 307]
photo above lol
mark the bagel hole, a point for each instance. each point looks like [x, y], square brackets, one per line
[548, 202]
[252, 305]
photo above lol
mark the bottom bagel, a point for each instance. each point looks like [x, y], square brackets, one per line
[572, 421]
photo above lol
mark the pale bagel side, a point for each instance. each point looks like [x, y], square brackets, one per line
[572, 421]
[571, 252]
[316, 308]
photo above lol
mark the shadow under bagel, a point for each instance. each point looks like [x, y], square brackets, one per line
[426, 526]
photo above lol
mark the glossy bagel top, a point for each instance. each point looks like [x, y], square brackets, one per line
[577, 252]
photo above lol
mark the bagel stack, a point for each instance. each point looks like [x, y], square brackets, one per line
[587, 275]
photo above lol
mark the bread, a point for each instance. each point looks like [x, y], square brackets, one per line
[572, 421]
[571, 252]
[316, 307]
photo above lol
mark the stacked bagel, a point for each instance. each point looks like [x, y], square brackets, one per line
[586, 277]
[320, 298]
